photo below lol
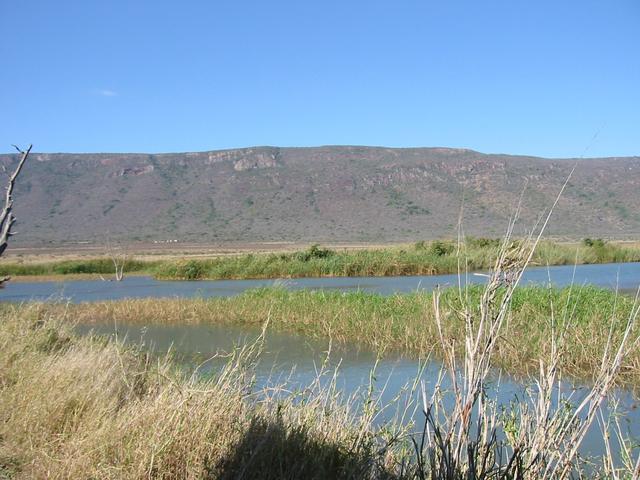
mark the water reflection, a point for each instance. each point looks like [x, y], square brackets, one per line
[297, 360]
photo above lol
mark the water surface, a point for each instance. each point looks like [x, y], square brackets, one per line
[297, 360]
[624, 276]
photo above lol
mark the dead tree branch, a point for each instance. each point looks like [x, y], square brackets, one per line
[7, 218]
[119, 257]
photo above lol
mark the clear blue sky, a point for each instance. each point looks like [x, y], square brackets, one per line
[536, 77]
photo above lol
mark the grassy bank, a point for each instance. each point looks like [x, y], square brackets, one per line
[418, 259]
[87, 408]
[90, 408]
[402, 323]
[101, 266]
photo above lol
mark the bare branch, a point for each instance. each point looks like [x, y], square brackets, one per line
[7, 218]
[119, 257]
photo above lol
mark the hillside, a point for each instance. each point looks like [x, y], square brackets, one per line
[314, 194]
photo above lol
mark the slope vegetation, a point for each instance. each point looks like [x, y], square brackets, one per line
[369, 194]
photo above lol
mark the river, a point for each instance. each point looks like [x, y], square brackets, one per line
[624, 276]
[296, 359]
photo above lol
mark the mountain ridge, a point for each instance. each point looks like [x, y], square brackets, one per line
[326, 193]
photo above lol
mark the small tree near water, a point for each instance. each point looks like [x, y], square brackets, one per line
[119, 257]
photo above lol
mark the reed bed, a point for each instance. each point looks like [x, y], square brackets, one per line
[93, 266]
[543, 437]
[439, 257]
[422, 259]
[403, 323]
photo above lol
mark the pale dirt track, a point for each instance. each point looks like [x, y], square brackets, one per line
[167, 251]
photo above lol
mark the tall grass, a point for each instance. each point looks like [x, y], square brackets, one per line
[439, 257]
[542, 437]
[89, 408]
[423, 259]
[402, 323]
[70, 267]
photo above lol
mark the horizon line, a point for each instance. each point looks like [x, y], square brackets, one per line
[308, 147]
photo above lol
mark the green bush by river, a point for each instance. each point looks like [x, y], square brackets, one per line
[422, 258]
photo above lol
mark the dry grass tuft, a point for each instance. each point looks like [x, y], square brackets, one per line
[400, 323]
[87, 408]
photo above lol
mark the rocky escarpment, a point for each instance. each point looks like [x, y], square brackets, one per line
[345, 193]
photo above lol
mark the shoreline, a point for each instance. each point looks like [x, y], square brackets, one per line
[435, 258]
[400, 323]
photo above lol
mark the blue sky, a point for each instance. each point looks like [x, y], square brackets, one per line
[537, 77]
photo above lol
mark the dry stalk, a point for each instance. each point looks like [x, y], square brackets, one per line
[542, 439]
